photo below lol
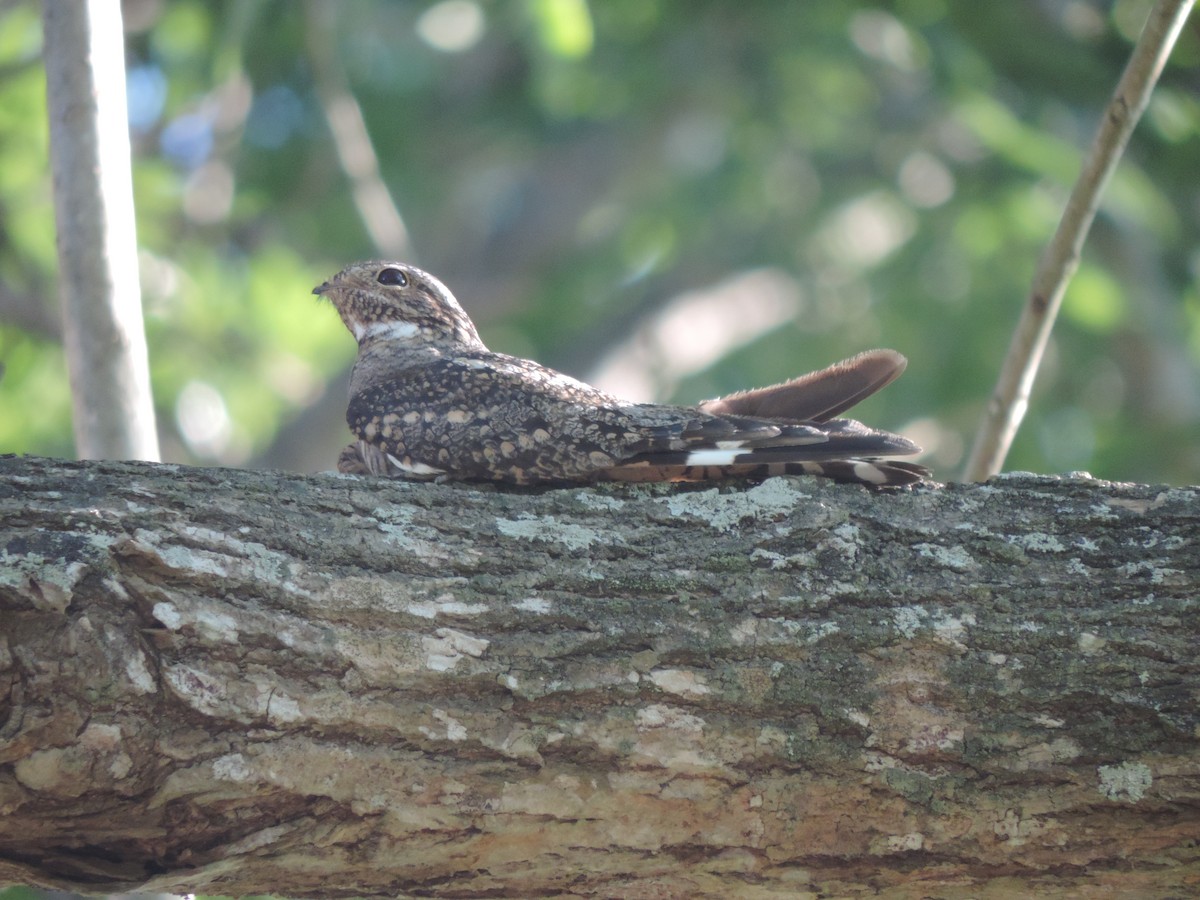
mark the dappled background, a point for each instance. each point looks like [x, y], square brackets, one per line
[669, 198]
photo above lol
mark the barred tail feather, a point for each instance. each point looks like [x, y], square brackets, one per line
[876, 473]
[872, 472]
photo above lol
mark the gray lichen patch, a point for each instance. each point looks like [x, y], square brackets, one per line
[396, 523]
[1038, 542]
[1127, 782]
[592, 499]
[45, 584]
[722, 511]
[550, 530]
[45, 568]
[954, 557]
[207, 554]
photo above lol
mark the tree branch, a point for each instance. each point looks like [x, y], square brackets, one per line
[1010, 399]
[238, 682]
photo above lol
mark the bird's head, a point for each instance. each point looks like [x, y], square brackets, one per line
[391, 301]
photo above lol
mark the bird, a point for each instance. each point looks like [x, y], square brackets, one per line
[429, 401]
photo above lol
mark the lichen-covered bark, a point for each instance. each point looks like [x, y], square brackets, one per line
[237, 682]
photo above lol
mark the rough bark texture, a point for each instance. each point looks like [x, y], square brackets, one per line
[239, 682]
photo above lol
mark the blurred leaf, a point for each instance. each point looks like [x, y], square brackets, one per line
[34, 396]
[1094, 301]
[1020, 144]
[20, 33]
[564, 27]
[184, 32]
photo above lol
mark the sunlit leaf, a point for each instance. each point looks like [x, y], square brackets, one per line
[1094, 301]
[564, 26]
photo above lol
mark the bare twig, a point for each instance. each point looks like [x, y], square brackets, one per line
[103, 328]
[1010, 399]
[374, 202]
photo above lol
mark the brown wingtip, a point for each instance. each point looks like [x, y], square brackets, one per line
[894, 357]
[818, 395]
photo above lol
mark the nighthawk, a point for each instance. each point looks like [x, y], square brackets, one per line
[429, 401]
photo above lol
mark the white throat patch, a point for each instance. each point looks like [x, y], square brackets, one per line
[393, 331]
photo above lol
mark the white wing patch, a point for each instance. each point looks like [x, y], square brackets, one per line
[717, 457]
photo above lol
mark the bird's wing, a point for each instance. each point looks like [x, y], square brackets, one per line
[487, 416]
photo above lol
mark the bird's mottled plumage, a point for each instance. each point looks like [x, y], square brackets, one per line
[429, 400]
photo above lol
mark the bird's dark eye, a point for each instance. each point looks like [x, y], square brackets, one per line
[393, 276]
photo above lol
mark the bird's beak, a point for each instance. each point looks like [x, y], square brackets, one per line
[321, 288]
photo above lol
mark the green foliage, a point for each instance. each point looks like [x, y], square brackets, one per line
[574, 169]
[564, 27]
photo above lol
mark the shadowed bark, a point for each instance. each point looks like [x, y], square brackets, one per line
[243, 682]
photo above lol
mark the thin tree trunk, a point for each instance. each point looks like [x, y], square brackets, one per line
[239, 682]
[97, 239]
